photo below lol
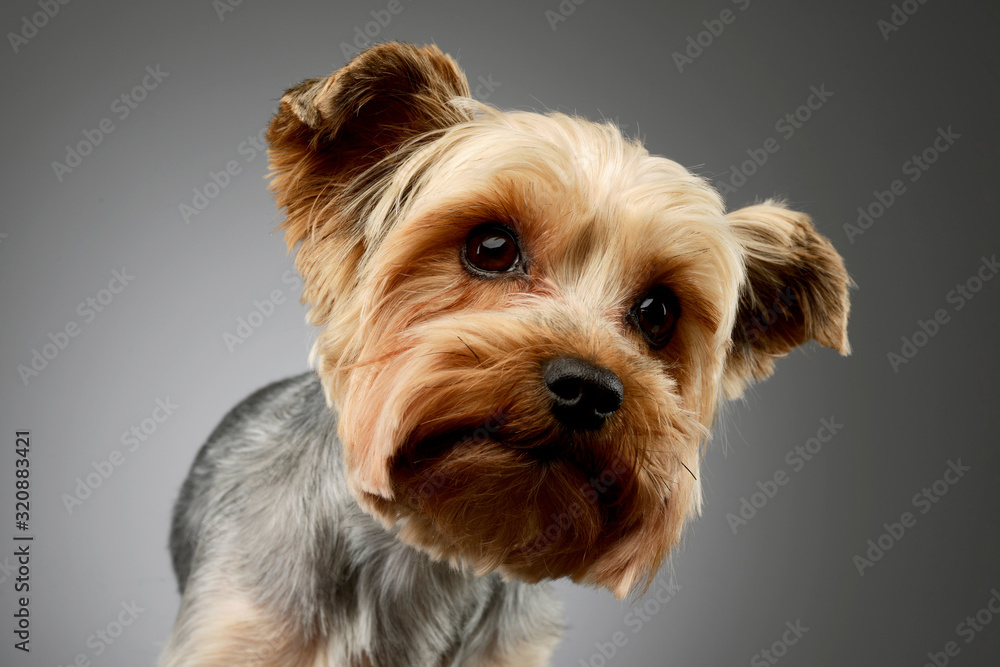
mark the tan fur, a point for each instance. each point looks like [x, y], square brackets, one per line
[447, 432]
[413, 350]
[221, 625]
[528, 655]
[796, 291]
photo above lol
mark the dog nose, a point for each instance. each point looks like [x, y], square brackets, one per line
[583, 394]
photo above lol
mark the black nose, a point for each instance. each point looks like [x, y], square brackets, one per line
[583, 394]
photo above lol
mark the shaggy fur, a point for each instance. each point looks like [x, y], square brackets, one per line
[401, 506]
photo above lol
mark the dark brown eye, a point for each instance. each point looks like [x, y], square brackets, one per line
[492, 248]
[656, 314]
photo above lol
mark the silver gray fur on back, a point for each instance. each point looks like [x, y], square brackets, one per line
[267, 500]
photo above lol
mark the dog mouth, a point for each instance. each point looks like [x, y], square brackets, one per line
[536, 504]
[541, 451]
[586, 472]
[425, 451]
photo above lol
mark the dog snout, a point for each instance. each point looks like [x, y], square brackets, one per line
[583, 394]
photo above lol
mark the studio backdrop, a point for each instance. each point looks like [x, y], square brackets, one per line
[851, 512]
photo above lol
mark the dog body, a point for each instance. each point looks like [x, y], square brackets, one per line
[298, 574]
[527, 323]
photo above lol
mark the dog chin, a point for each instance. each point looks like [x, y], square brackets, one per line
[533, 511]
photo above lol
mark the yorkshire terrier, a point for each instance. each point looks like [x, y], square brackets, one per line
[526, 324]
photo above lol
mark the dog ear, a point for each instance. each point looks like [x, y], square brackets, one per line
[796, 290]
[331, 144]
[330, 130]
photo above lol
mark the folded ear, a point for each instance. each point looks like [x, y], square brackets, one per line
[333, 141]
[329, 130]
[796, 290]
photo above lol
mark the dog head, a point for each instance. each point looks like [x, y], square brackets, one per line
[526, 320]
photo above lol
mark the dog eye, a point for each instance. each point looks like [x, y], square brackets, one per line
[492, 248]
[656, 314]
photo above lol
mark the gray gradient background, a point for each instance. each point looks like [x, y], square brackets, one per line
[163, 335]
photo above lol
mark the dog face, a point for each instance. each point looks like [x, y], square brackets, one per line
[527, 320]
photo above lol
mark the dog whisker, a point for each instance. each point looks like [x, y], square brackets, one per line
[470, 349]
